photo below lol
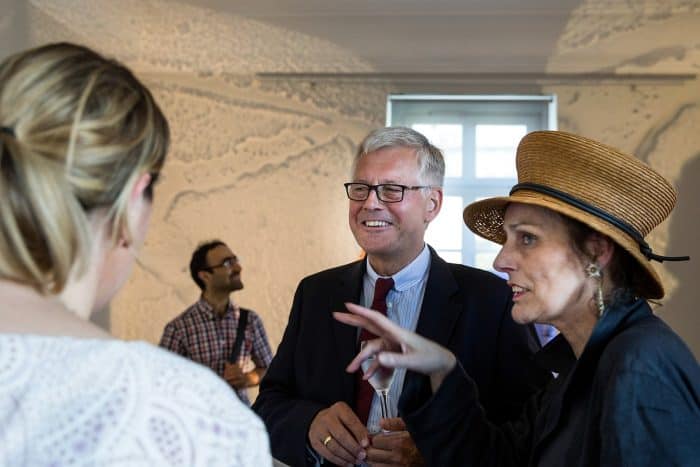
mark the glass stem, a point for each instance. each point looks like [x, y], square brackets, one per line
[384, 402]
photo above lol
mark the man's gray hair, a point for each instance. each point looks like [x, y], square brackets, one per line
[431, 163]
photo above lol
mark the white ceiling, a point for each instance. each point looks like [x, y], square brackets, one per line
[423, 36]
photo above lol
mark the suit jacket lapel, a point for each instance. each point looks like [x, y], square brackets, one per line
[439, 312]
[345, 337]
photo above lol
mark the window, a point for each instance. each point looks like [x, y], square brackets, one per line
[478, 136]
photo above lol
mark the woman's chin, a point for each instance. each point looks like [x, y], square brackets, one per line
[522, 315]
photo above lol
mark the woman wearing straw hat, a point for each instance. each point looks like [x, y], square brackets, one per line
[82, 142]
[628, 389]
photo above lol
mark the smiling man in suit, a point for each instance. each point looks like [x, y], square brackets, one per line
[313, 409]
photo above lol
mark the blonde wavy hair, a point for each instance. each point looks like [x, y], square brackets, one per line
[78, 130]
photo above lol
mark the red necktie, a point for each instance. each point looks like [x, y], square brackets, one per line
[365, 392]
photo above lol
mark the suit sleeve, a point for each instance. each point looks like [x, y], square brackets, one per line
[518, 376]
[451, 428]
[286, 415]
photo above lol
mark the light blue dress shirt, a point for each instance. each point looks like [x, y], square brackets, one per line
[403, 304]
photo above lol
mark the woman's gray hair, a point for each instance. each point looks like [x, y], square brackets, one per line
[431, 163]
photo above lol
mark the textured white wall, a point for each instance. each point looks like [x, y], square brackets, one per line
[659, 122]
[259, 163]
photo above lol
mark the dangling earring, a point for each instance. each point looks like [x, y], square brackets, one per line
[592, 270]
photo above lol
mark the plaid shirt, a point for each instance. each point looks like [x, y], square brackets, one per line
[201, 336]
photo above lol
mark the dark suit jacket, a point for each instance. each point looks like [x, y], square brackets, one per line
[464, 309]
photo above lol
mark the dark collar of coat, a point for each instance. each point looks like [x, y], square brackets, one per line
[614, 320]
[349, 289]
[438, 313]
[576, 375]
[557, 355]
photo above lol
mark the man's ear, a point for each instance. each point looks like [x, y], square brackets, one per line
[434, 204]
[203, 276]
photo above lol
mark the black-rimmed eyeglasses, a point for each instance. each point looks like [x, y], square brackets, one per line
[386, 192]
[227, 263]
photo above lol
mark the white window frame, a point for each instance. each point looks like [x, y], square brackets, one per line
[468, 186]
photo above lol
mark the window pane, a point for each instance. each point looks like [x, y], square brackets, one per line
[450, 256]
[484, 260]
[485, 253]
[445, 231]
[482, 244]
[447, 137]
[479, 138]
[495, 150]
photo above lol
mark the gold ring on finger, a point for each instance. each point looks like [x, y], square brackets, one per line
[327, 440]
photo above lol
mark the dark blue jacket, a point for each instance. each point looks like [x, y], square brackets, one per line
[632, 399]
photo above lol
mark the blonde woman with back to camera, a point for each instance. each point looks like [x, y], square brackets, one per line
[572, 234]
[82, 143]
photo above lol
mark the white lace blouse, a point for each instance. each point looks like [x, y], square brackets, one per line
[88, 402]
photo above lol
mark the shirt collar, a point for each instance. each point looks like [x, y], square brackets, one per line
[208, 310]
[410, 275]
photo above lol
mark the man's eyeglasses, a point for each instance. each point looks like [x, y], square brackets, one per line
[386, 192]
[227, 263]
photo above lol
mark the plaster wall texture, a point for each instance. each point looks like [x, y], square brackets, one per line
[658, 121]
[259, 162]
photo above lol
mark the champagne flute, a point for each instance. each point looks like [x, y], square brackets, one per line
[380, 381]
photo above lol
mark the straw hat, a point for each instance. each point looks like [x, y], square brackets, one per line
[611, 192]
